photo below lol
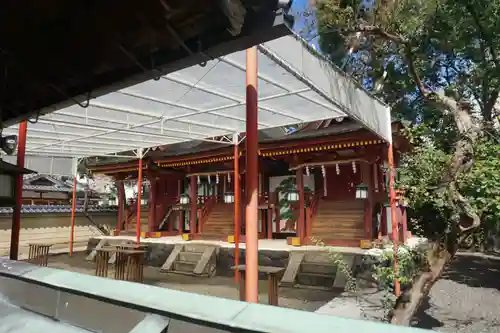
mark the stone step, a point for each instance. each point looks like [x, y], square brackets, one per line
[321, 268]
[193, 257]
[193, 247]
[316, 279]
[184, 266]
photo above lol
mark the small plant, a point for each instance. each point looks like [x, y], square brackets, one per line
[411, 263]
[338, 260]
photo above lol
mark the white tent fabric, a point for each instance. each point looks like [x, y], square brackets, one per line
[200, 103]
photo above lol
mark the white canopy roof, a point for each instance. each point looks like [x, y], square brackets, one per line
[199, 103]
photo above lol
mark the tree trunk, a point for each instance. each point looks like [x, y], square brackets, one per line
[405, 310]
[465, 218]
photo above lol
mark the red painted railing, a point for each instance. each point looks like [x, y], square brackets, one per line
[312, 210]
[205, 211]
[131, 212]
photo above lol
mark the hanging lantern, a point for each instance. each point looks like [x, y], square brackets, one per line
[217, 178]
[229, 178]
[362, 191]
[229, 197]
[307, 171]
[323, 171]
[184, 199]
[199, 180]
[292, 196]
[354, 167]
[337, 169]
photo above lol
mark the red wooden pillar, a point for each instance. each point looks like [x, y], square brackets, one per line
[180, 212]
[366, 178]
[299, 175]
[237, 203]
[16, 216]
[121, 205]
[193, 201]
[139, 198]
[152, 201]
[73, 211]
[252, 180]
[392, 202]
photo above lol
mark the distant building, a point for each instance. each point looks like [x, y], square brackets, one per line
[40, 189]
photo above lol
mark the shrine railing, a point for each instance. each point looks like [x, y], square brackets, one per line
[312, 209]
[205, 211]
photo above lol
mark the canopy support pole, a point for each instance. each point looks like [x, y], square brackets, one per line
[73, 207]
[237, 204]
[252, 180]
[139, 196]
[18, 192]
[395, 229]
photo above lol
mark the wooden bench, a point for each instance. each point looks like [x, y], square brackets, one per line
[129, 264]
[273, 277]
[39, 254]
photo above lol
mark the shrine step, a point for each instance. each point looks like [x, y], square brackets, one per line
[192, 259]
[320, 268]
[181, 266]
[316, 280]
[190, 256]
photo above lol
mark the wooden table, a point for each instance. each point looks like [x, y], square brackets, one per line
[273, 276]
[39, 254]
[132, 246]
[129, 263]
[101, 260]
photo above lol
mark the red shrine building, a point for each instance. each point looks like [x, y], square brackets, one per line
[326, 182]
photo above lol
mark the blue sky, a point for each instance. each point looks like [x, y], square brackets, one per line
[298, 7]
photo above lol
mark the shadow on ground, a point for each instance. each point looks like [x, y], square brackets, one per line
[474, 270]
[225, 287]
[423, 319]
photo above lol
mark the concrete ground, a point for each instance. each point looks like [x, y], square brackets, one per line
[301, 299]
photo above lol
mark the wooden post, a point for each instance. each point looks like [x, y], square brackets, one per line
[139, 197]
[193, 201]
[121, 205]
[252, 180]
[366, 178]
[152, 200]
[299, 175]
[392, 202]
[73, 211]
[16, 215]
[180, 213]
[237, 203]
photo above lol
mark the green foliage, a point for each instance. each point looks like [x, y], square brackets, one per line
[286, 186]
[420, 175]
[411, 262]
[425, 47]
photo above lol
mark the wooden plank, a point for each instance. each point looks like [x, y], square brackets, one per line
[204, 260]
[167, 266]
[292, 268]
[99, 246]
